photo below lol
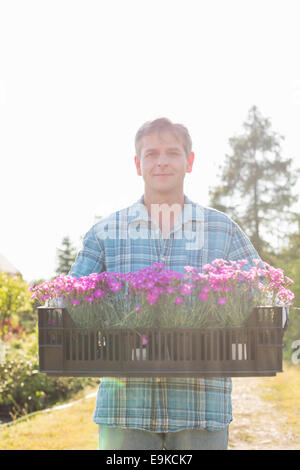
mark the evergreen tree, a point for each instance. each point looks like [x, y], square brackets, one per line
[256, 184]
[66, 256]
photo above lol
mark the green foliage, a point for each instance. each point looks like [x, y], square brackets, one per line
[66, 256]
[256, 183]
[292, 269]
[14, 300]
[28, 320]
[292, 334]
[23, 389]
[256, 191]
[289, 260]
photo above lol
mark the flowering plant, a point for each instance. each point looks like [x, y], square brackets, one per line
[224, 293]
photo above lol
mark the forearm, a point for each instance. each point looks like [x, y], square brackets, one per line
[90, 259]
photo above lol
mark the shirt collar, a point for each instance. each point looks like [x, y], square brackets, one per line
[191, 211]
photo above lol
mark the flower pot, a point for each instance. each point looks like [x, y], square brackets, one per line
[239, 351]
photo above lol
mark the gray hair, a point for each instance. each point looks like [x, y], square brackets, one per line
[163, 125]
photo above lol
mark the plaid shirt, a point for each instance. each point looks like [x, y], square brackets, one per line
[129, 240]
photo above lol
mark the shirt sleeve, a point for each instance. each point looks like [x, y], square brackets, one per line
[241, 247]
[90, 259]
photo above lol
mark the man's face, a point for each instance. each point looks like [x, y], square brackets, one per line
[163, 163]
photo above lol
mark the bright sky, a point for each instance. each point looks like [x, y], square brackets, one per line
[78, 78]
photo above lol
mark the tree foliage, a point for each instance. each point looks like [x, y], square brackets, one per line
[256, 183]
[66, 256]
[14, 299]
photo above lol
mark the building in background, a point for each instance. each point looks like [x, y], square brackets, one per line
[7, 268]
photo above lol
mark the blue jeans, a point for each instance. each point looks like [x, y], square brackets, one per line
[136, 439]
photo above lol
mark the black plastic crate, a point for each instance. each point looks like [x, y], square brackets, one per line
[252, 350]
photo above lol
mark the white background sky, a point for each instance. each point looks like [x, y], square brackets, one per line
[78, 78]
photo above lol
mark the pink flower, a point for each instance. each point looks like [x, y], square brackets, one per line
[206, 289]
[98, 293]
[288, 280]
[189, 269]
[203, 296]
[116, 286]
[149, 284]
[256, 261]
[243, 262]
[155, 282]
[170, 290]
[186, 289]
[207, 267]
[144, 340]
[152, 297]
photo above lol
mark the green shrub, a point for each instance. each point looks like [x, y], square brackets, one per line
[292, 334]
[14, 301]
[23, 389]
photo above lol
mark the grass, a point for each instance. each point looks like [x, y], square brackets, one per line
[69, 428]
[284, 390]
[72, 428]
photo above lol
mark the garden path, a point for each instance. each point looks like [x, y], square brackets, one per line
[258, 424]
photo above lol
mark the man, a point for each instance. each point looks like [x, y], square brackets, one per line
[163, 226]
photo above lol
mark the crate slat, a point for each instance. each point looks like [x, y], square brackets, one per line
[252, 350]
